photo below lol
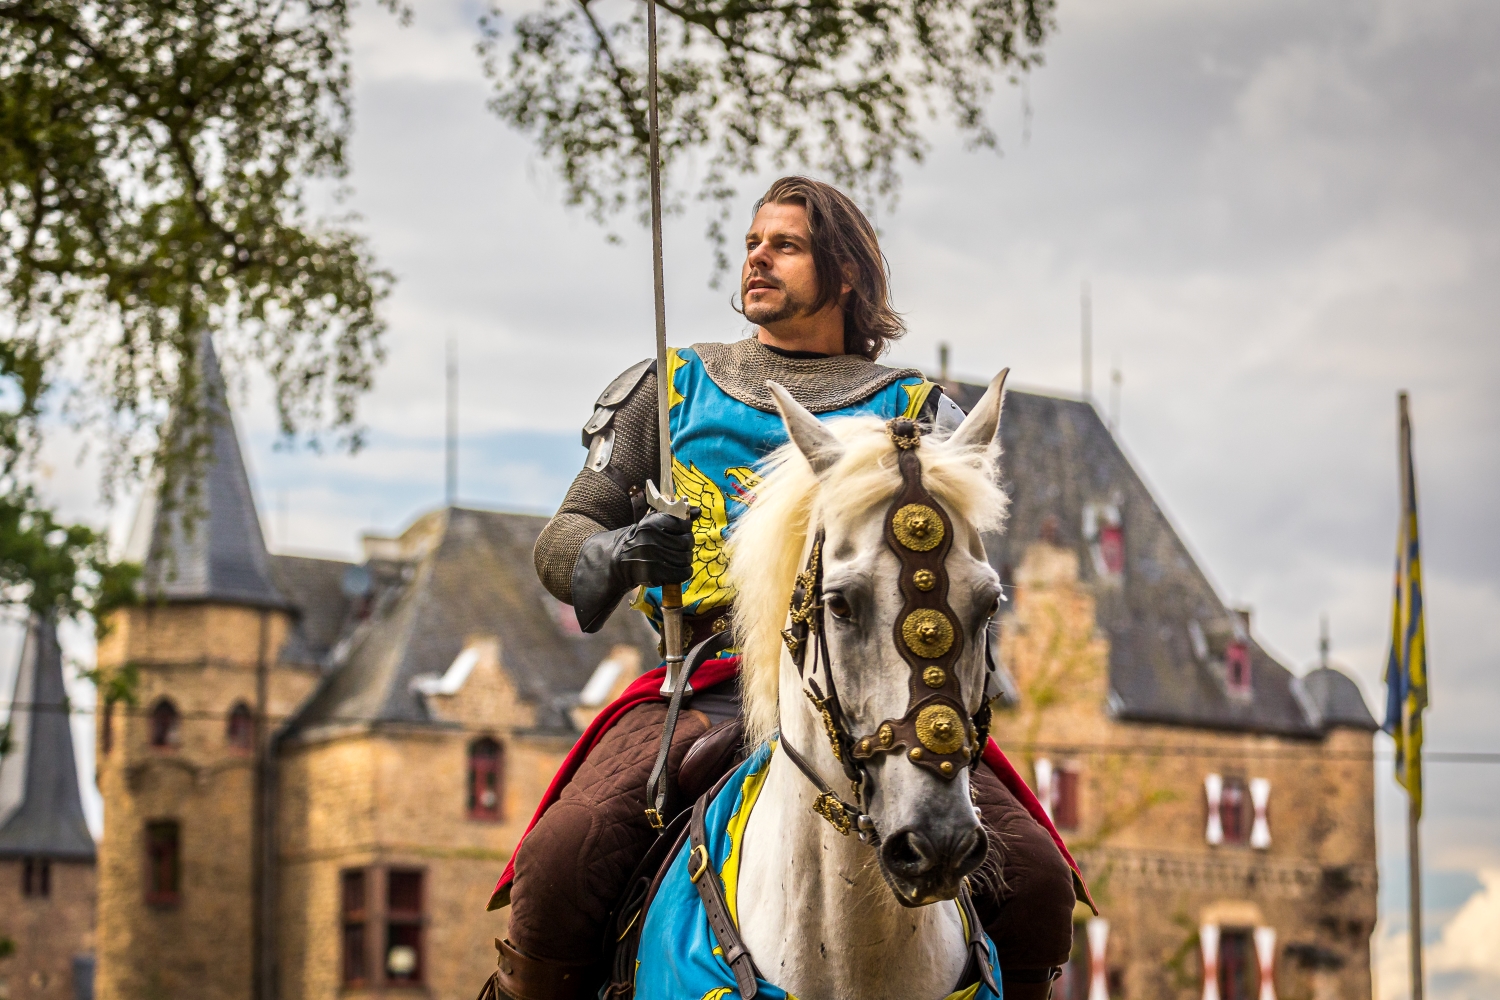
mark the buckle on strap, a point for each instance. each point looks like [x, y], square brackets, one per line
[700, 852]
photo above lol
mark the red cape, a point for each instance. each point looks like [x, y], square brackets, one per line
[647, 687]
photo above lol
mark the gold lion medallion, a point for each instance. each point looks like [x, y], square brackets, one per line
[927, 633]
[940, 729]
[918, 527]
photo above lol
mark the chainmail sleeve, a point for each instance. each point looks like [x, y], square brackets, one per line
[601, 500]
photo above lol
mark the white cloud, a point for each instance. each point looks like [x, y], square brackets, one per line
[1471, 940]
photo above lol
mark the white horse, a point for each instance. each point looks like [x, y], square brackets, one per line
[826, 915]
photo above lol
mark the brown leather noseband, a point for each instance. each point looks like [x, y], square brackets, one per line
[936, 733]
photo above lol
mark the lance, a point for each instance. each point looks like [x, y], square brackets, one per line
[664, 499]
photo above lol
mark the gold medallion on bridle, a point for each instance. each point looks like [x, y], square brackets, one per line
[918, 527]
[940, 729]
[925, 579]
[927, 633]
[934, 677]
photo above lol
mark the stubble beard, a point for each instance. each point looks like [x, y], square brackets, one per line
[764, 313]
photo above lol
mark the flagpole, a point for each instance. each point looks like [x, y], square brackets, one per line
[1414, 866]
[1413, 782]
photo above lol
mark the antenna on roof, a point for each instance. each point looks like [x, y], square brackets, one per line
[943, 361]
[1323, 642]
[1087, 304]
[451, 491]
[1116, 378]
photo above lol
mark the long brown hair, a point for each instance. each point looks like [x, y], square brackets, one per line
[844, 243]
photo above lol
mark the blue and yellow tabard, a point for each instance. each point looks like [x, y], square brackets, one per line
[678, 957]
[717, 442]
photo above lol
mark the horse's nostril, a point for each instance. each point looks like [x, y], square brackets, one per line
[908, 854]
[969, 852]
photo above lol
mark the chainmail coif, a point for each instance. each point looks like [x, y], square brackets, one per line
[820, 384]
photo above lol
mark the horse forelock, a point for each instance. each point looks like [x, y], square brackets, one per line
[766, 548]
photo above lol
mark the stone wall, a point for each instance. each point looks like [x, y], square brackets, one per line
[1142, 813]
[46, 932]
[396, 797]
[204, 658]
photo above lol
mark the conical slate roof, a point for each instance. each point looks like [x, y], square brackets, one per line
[216, 553]
[41, 814]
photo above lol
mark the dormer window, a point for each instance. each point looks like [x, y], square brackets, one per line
[1237, 668]
[1104, 530]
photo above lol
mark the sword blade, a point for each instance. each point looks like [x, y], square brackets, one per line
[671, 594]
[658, 272]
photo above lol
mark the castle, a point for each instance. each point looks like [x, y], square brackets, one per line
[329, 762]
[324, 766]
[1221, 807]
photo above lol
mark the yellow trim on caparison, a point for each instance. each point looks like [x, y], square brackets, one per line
[729, 875]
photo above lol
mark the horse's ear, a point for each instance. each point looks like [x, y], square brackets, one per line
[820, 448]
[983, 422]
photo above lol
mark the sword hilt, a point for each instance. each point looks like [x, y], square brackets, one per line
[671, 598]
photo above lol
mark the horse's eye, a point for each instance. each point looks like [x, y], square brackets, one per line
[837, 606]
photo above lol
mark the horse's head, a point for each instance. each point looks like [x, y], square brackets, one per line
[883, 663]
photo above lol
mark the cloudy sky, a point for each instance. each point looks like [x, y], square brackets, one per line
[1286, 212]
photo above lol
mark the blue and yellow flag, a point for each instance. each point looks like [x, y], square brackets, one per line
[1406, 668]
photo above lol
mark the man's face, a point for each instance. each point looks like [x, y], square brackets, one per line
[779, 280]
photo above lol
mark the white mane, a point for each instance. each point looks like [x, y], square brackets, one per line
[766, 547]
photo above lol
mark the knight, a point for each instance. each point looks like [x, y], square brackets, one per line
[814, 285]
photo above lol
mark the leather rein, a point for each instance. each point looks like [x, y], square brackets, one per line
[936, 733]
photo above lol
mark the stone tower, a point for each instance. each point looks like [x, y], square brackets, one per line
[182, 908]
[46, 852]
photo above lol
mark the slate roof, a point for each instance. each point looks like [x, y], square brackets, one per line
[41, 813]
[1059, 458]
[219, 555]
[315, 588]
[456, 573]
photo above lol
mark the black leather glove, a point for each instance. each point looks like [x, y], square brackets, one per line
[655, 550]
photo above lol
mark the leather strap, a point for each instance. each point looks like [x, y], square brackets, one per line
[523, 978]
[1029, 984]
[843, 816]
[630, 915]
[716, 908]
[659, 804]
[979, 949]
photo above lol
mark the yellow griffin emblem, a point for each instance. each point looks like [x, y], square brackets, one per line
[709, 587]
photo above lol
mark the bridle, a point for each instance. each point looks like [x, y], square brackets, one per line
[936, 733]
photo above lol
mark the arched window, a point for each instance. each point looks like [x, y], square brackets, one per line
[486, 779]
[239, 731]
[165, 724]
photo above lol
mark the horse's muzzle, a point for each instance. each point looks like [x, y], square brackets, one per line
[928, 866]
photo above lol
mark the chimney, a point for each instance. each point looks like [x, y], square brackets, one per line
[1244, 617]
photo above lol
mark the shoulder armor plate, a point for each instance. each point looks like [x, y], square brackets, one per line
[949, 414]
[613, 395]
